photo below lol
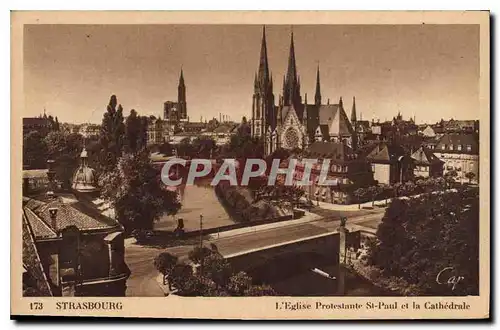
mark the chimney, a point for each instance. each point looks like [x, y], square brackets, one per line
[53, 218]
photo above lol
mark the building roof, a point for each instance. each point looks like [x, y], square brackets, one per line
[453, 141]
[225, 128]
[386, 153]
[323, 130]
[35, 174]
[192, 124]
[333, 150]
[424, 156]
[77, 213]
[32, 263]
[453, 124]
[39, 227]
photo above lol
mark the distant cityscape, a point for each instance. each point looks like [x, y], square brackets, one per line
[98, 222]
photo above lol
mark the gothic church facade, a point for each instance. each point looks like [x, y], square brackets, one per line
[294, 123]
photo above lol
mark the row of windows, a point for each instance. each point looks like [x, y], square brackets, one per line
[457, 147]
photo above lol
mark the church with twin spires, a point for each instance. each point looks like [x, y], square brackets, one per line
[295, 123]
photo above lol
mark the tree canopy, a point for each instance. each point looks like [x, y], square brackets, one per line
[136, 192]
[420, 237]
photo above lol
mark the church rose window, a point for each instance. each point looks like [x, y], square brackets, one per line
[292, 138]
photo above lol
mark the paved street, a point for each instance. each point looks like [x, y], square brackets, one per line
[140, 259]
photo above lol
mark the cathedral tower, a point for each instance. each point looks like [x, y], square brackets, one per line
[291, 86]
[263, 99]
[181, 97]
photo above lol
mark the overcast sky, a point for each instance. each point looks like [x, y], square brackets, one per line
[430, 71]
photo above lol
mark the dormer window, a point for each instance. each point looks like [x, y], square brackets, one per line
[450, 147]
[469, 147]
[459, 147]
[443, 147]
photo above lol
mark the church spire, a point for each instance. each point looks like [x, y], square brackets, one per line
[181, 96]
[181, 78]
[353, 112]
[317, 96]
[263, 63]
[292, 67]
[291, 90]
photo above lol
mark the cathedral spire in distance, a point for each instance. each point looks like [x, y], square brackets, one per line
[181, 96]
[181, 78]
[353, 112]
[317, 96]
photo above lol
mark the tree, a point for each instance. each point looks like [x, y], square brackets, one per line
[34, 150]
[112, 135]
[360, 194]
[260, 290]
[470, 176]
[420, 237]
[203, 146]
[182, 278]
[165, 263]
[216, 279]
[449, 178]
[408, 188]
[65, 149]
[136, 192]
[239, 283]
[242, 147]
[166, 149]
[216, 268]
[185, 148]
[135, 132]
[197, 254]
[373, 192]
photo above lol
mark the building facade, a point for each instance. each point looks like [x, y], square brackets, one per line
[295, 123]
[349, 171]
[460, 153]
[390, 163]
[426, 163]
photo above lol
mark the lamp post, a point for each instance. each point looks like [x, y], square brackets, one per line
[201, 231]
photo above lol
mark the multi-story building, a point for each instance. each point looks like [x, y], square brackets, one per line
[390, 163]
[155, 131]
[346, 168]
[460, 153]
[222, 133]
[426, 164]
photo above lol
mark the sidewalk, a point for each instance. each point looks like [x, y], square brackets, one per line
[350, 207]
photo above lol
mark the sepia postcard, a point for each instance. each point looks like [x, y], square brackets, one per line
[251, 165]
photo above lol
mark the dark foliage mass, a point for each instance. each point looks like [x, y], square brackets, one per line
[420, 237]
[208, 274]
[136, 192]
